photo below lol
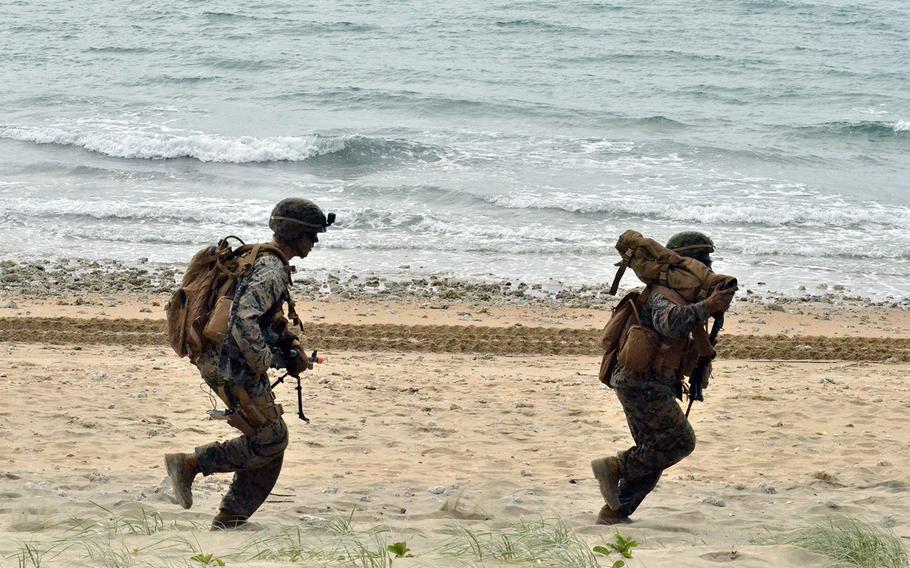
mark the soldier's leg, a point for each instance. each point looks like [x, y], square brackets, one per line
[255, 457]
[663, 437]
[250, 488]
[632, 493]
[245, 452]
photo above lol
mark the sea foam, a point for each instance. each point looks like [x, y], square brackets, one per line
[156, 143]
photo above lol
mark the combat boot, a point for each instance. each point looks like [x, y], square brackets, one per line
[226, 520]
[608, 471]
[181, 468]
[608, 516]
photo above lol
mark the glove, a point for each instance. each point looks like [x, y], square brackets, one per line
[298, 361]
[719, 300]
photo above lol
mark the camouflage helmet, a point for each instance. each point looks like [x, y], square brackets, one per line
[692, 244]
[295, 217]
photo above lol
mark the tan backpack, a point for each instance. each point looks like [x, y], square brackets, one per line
[198, 312]
[655, 264]
[682, 279]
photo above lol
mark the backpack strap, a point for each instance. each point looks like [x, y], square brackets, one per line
[268, 248]
[623, 265]
[247, 255]
[273, 250]
[246, 261]
[638, 301]
[670, 294]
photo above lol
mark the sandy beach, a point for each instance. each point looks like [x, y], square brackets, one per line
[432, 418]
[451, 180]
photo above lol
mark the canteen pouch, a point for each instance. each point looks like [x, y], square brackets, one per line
[217, 327]
[639, 348]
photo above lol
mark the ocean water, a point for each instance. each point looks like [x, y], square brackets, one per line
[477, 139]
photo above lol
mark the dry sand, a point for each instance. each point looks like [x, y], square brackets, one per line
[420, 438]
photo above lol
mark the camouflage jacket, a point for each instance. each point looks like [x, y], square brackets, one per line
[669, 320]
[247, 352]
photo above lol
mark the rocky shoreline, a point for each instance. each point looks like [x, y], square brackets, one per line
[80, 280]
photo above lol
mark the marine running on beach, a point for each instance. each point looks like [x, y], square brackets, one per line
[660, 429]
[257, 340]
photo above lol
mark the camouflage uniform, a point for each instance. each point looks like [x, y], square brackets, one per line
[255, 460]
[662, 434]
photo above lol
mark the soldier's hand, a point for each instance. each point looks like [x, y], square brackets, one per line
[299, 363]
[280, 325]
[719, 300]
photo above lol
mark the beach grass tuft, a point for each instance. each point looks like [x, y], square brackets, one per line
[334, 541]
[30, 556]
[144, 522]
[108, 556]
[852, 542]
[145, 540]
[542, 542]
[290, 544]
[36, 555]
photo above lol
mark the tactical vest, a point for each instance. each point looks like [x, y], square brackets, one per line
[638, 348]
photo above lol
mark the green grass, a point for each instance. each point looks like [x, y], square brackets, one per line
[30, 556]
[288, 545]
[108, 556]
[144, 539]
[543, 542]
[36, 555]
[851, 542]
[144, 522]
[332, 542]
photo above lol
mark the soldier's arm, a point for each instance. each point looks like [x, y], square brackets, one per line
[673, 320]
[266, 286]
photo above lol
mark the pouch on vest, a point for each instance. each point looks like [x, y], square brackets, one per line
[639, 348]
[217, 327]
[639, 345]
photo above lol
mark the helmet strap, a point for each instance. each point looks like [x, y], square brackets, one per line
[298, 222]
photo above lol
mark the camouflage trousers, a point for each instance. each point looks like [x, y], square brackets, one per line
[662, 434]
[255, 460]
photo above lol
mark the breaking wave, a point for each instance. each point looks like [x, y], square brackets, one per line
[161, 143]
[164, 211]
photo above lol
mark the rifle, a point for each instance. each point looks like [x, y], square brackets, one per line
[293, 354]
[701, 368]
